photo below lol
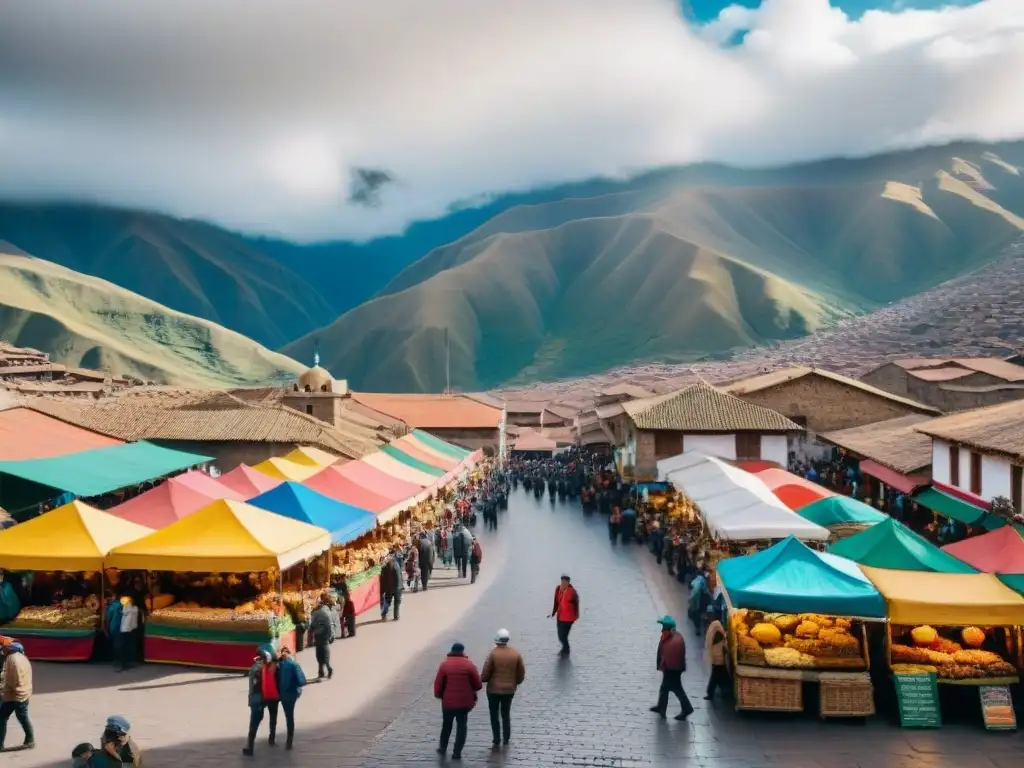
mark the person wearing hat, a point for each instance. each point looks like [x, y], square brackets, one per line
[503, 671]
[264, 695]
[16, 692]
[81, 756]
[671, 664]
[117, 745]
[566, 610]
[456, 685]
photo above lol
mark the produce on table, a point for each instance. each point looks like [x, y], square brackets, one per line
[52, 616]
[813, 641]
[788, 658]
[767, 634]
[913, 669]
[972, 637]
[786, 622]
[924, 635]
[958, 665]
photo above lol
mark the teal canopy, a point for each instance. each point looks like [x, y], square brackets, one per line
[791, 578]
[890, 544]
[344, 522]
[1014, 581]
[440, 445]
[101, 470]
[411, 461]
[840, 510]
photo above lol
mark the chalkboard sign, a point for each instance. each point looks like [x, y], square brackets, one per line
[997, 707]
[918, 697]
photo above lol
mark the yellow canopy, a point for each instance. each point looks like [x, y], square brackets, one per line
[284, 469]
[915, 597]
[227, 536]
[74, 537]
[311, 457]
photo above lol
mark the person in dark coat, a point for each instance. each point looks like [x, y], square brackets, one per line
[426, 547]
[290, 679]
[456, 685]
[322, 627]
[671, 663]
[264, 696]
[391, 583]
[461, 539]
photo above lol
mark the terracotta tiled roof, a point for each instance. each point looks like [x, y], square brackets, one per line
[996, 429]
[220, 418]
[785, 375]
[944, 373]
[894, 443]
[562, 411]
[433, 411]
[630, 390]
[993, 366]
[703, 408]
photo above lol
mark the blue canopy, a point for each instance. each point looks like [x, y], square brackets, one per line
[791, 578]
[344, 522]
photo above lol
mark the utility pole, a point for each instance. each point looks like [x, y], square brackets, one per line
[448, 363]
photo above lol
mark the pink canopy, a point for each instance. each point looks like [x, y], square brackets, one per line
[163, 505]
[331, 482]
[247, 481]
[211, 486]
[379, 481]
[411, 446]
[1001, 551]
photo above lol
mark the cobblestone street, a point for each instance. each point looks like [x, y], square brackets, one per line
[590, 710]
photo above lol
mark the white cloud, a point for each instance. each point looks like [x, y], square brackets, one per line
[257, 115]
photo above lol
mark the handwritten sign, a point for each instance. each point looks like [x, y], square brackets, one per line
[997, 707]
[918, 697]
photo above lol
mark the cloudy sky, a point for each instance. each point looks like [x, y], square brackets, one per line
[319, 120]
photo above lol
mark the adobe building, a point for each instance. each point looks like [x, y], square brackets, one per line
[951, 384]
[460, 419]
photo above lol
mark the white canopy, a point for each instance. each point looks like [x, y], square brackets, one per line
[735, 504]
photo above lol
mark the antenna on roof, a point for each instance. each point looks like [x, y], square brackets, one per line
[316, 352]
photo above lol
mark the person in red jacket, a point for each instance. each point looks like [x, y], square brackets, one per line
[456, 685]
[566, 610]
[671, 664]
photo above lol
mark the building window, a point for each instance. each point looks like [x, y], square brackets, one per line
[954, 466]
[1016, 480]
[667, 444]
[800, 421]
[748, 445]
[976, 473]
[309, 409]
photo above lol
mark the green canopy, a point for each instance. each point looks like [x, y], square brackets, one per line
[101, 470]
[890, 544]
[1014, 581]
[440, 445]
[411, 461]
[840, 510]
[951, 507]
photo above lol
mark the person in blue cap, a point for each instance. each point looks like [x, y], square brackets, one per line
[671, 663]
[117, 744]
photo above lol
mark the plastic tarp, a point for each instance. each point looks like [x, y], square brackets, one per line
[283, 469]
[75, 537]
[402, 493]
[1001, 551]
[893, 546]
[841, 510]
[791, 578]
[947, 599]
[414, 439]
[330, 482]
[397, 452]
[411, 446]
[247, 482]
[102, 470]
[399, 469]
[792, 490]
[312, 457]
[225, 536]
[736, 505]
[211, 486]
[950, 506]
[163, 505]
[344, 522]
[441, 445]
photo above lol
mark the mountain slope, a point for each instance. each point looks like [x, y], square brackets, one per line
[679, 265]
[189, 266]
[84, 321]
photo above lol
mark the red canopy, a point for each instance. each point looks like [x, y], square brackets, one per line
[792, 490]
[1001, 551]
[247, 481]
[163, 505]
[330, 482]
[378, 481]
[211, 486]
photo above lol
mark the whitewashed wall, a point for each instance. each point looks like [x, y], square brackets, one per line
[775, 448]
[940, 461]
[995, 471]
[721, 446]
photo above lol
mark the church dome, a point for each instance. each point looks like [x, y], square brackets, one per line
[316, 378]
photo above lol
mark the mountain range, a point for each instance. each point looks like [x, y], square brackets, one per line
[674, 265]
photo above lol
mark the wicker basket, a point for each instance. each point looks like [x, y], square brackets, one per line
[769, 694]
[846, 699]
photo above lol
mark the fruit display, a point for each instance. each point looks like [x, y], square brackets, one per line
[947, 658]
[796, 641]
[56, 616]
[349, 561]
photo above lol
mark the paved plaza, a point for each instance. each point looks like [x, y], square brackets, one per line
[590, 710]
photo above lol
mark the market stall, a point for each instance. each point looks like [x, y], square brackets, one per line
[412, 447]
[959, 627]
[57, 558]
[796, 616]
[405, 457]
[444, 446]
[168, 502]
[892, 545]
[221, 589]
[312, 457]
[344, 522]
[204, 483]
[999, 551]
[330, 482]
[247, 482]
[399, 469]
[841, 515]
[792, 490]
[283, 469]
